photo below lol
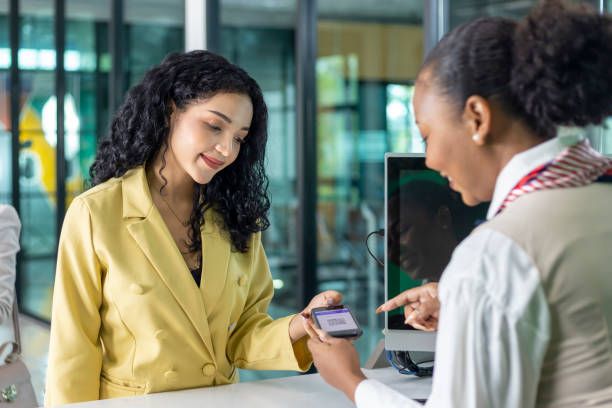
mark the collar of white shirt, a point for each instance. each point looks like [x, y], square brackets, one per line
[524, 162]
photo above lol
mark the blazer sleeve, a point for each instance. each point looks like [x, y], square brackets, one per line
[9, 246]
[75, 352]
[259, 342]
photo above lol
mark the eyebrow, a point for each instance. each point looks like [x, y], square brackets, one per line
[225, 118]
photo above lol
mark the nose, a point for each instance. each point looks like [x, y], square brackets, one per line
[225, 146]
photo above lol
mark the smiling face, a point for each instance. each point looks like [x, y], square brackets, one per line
[206, 136]
[450, 147]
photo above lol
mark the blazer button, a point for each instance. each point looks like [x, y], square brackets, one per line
[242, 280]
[160, 335]
[171, 375]
[136, 289]
[209, 370]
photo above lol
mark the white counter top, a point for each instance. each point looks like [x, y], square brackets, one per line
[296, 392]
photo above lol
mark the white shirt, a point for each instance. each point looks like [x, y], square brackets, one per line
[492, 332]
[9, 246]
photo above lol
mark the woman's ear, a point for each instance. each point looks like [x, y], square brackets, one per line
[477, 117]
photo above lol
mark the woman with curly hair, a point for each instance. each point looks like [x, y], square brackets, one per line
[525, 304]
[162, 282]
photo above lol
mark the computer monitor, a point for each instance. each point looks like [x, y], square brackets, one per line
[424, 221]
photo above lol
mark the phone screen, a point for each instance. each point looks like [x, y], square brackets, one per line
[336, 320]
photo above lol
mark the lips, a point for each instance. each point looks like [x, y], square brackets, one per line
[211, 162]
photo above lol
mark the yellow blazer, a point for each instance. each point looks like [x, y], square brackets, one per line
[128, 318]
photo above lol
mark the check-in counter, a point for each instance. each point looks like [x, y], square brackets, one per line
[303, 391]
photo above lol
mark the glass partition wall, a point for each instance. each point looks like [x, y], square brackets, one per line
[260, 37]
[6, 164]
[148, 25]
[37, 157]
[367, 60]
[606, 130]
[152, 29]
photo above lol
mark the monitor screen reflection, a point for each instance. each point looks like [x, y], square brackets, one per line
[426, 221]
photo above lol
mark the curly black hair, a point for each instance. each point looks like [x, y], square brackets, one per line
[140, 128]
[552, 68]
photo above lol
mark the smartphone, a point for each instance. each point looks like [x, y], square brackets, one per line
[337, 320]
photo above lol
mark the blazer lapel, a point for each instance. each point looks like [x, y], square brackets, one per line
[216, 250]
[148, 229]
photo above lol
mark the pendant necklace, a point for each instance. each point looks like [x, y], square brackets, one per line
[183, 223]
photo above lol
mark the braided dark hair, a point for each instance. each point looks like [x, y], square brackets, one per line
[552, 68]
[140, 128]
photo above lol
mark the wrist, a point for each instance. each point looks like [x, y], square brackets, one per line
[296, 328]
[351, 383]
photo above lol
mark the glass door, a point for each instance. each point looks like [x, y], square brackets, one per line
[37, 158]
[369, 53]
[6, 174]
[260, 38]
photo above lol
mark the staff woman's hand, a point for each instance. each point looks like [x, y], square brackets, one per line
[336, 359]
[421, 306]
[323, 299]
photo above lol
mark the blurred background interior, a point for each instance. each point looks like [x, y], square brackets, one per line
[337, 76]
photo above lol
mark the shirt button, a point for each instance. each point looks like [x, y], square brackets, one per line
[242, 280]
[209, 370]
[171, 375]
[160, 335]
[136, 289]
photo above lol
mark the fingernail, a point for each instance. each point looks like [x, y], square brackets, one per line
[380, 309]
[410, 318]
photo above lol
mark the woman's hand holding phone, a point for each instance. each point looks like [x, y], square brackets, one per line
[323, 299]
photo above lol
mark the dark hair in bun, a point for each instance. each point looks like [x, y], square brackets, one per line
[552, 68]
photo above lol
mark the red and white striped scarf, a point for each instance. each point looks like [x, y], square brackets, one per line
[576, 166]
